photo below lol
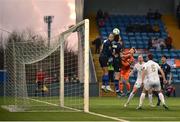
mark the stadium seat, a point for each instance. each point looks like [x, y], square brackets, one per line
[125, 37]
[122, 21]
[178, 70]
[176, 81]
[175, 77]
[127, 46]
[173, 71]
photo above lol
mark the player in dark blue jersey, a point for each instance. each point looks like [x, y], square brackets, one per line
[117, 48]
[105, 55]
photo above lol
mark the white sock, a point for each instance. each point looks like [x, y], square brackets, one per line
[130, 97]
[103, 86]
[150, 99]
[142, 97]
[108, 87]
[161, 97]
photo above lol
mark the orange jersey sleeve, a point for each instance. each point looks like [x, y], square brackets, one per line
[127, 60]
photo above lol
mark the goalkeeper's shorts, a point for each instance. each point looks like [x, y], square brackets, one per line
[125, 74]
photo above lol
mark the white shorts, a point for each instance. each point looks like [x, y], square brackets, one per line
[156, 86]
[137, 84]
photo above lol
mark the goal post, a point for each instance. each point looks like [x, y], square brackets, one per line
[55, 78]
[86, 67]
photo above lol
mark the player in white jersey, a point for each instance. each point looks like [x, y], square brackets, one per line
[138, 67]
[150, 70]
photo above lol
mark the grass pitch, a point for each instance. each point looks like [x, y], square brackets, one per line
[109, 106]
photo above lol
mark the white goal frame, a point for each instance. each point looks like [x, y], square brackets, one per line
[85, 52]
[86, 65]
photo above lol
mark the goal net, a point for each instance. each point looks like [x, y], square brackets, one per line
[55, 78]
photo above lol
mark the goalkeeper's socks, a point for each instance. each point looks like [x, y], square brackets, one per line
[121, 87]
[116, 83]
[128, 86]
[105, 79]
[142, 97]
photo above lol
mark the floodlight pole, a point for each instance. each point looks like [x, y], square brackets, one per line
[48, 20]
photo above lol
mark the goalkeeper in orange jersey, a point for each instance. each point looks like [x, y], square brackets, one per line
[126, 62]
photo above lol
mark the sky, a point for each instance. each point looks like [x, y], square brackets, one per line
[22, 14]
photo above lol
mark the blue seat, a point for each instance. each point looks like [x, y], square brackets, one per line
[152, 50]
[144, 34]
[167, 54]
[104, 34]
[132, 41]
[104, 37]
[139, 42]
[123, 33]
[102, 29]
[157, 34]
[132, 38]
[145, 42]
[127, 46]
[145, 38]
[173, 71]
[178, 70]
[125, 37]
[130, 34]
[159, 55]
[137, 34]
[176, 81]
[109, 29]
[140, 46]
[165, 50]
[126, 42]
[175, 77]
[173, 55]
[156, 60]
[145, 46]
[150, 34]
[138, 37]
[133, 45]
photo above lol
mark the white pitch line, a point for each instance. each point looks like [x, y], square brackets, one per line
[109, 117]
[92, 113]
[55, 104]
[152, 117]
[43, 102]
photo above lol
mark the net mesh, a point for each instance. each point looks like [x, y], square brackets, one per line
[41, 78]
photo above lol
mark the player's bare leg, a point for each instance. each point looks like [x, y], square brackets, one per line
[161, 97]
[131, 96]
[141, 100]
[150, 96]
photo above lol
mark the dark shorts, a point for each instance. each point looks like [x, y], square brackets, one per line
[103, 60]
[40, 84]
[116, 64]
